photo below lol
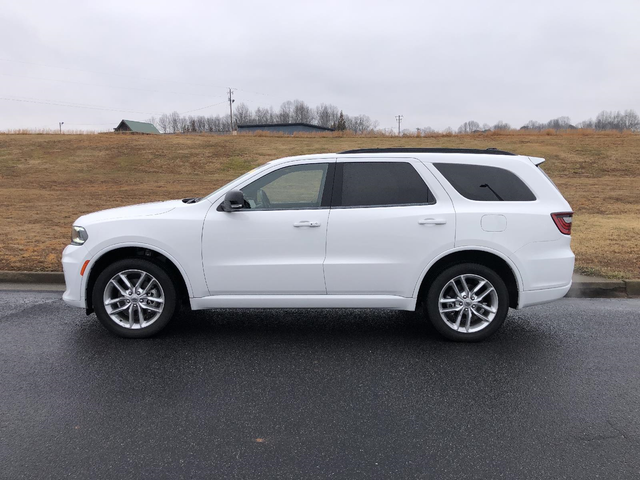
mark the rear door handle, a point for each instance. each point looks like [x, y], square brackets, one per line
[306, 223]
[432, 221]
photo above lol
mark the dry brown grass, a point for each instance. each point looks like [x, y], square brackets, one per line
[47, 181]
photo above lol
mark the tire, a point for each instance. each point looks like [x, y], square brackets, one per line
[487, 307]
[119, 308]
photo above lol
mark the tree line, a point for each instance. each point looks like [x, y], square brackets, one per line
[296, 111]
[620, 121]
[330, 116]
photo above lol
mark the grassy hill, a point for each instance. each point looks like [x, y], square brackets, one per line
[47, 181]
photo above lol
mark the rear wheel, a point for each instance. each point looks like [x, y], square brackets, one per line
[467, 302]
[134, 298]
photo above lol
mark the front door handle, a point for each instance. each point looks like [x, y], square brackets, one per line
[432, 221]
[306, 223]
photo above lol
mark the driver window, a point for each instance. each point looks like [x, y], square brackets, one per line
[295, 187]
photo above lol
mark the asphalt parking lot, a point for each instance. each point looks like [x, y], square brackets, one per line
[321, 394]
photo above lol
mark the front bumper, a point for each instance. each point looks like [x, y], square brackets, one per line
[73, 257]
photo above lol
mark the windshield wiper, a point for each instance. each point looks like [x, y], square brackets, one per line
[486, 185]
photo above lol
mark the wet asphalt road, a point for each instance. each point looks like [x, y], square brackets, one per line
[277, 394]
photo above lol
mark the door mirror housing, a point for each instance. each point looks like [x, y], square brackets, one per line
[233, 200]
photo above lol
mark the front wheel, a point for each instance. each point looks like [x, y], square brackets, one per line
[467, 302]
[134, 298]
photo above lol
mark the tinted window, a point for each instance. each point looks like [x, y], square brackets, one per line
[381, 184]
[298, 186]
[489, 184]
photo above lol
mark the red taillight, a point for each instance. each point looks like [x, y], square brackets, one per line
[563, 221]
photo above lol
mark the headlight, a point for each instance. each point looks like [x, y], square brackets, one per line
[78, 235]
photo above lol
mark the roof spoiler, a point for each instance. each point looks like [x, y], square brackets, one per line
[536, 160]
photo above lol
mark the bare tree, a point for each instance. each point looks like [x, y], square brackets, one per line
[243, 114]
[262, 115]
[286, 109]
[501, 126]
[469, 127]
[533, 125]
[586, 124]
[560, 123]
[302, 113]
[201, 124]
[164, 123]
[184, 125]
[327, 115]
[632, 121]
[175, 122]
[210, 124]
[628, 120]
[359, 123]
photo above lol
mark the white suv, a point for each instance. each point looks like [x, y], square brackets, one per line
[466, 233]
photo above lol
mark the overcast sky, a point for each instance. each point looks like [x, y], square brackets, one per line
[438, 63]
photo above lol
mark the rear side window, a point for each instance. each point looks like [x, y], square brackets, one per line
[484, 183]
[377, 184]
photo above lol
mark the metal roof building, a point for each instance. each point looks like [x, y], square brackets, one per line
[288, 128]
[136, 127]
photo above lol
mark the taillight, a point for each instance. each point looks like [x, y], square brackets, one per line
[563, 221]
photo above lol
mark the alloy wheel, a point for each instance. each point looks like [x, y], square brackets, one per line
[134, 299]
[468, 303]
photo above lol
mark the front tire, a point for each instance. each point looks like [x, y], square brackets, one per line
[467, 302]
[134, 298]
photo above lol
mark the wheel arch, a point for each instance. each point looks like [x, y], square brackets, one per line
[107, 257]
[489, 258]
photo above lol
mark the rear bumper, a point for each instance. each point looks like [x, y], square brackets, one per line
[73, 256]
[547, 271]
[546, 265]
[546, 295]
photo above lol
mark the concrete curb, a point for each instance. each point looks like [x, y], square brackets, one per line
[32, 277]
[582, 287]
[598, 288]
[633, 287]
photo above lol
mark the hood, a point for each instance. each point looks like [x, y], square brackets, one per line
[132, 211]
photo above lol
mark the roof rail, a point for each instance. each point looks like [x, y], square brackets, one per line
[488, 151]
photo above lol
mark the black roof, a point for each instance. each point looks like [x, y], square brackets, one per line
[488, 151]
[261, 125]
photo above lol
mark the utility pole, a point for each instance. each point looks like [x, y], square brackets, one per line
[399, 119]
[60, 125]
[231, 100]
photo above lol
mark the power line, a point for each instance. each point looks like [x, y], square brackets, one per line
[93, 107]
[87, 124]
[202, 108]
[58, 101]
[108, 86]
[109, 73]
[61, 104]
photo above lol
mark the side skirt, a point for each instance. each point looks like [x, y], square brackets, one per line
[391, 302]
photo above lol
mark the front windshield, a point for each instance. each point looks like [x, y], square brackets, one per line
[241, 177]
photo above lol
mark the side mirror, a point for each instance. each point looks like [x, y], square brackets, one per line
[233, 200]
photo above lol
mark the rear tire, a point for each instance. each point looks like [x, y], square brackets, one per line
[467, 302]
[134, 298]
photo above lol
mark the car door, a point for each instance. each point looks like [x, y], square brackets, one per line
[276, 244]
[389, 219]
